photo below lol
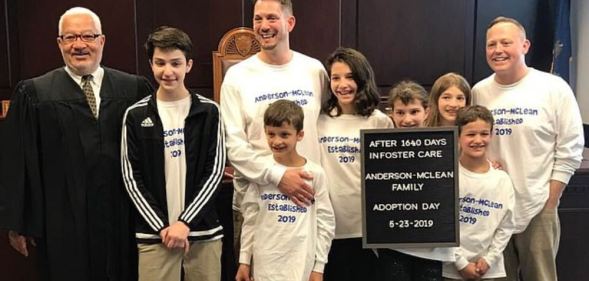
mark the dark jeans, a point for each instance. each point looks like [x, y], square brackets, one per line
[396, 266]
[348, 261]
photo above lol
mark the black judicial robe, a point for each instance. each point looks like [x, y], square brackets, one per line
[61, 178]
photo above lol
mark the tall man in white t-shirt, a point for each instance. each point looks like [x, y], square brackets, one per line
[276, 72]
[538, 137]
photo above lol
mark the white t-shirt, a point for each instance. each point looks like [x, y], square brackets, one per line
[486, 221]
[286, 241]
[247, 90]
[173, 114]
[339, 138]
[538, 135]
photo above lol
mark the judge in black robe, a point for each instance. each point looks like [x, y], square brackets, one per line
[60, 177]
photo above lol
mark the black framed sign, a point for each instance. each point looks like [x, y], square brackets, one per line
[410, 187]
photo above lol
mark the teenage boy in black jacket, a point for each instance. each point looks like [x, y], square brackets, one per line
[173, 155]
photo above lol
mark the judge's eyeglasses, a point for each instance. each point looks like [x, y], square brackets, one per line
[85, 37]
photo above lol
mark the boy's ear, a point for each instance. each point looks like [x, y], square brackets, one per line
[300, 135]
[426, 112]
[189, 65]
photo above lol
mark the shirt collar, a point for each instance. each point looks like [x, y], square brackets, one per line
[97, 75]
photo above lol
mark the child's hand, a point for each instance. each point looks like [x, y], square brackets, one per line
[316, 276]
[164, 234]
[482, 266]
[496, 165]
[470, 272]
[176, 236]
[243, 273]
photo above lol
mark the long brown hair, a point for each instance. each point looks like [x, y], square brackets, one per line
[442, 84]
[367, 96]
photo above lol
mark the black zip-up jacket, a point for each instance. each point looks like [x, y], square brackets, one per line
[142, 157]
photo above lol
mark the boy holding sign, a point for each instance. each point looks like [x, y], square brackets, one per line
[486, 202]
[409, 109]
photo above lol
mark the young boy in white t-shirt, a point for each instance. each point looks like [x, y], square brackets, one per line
[284, 240]
[486, 203]
[173, 156]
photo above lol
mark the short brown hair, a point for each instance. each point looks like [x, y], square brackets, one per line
[406, 91]
[473, 113]
[513, 21]
[168, 38]
[286, 5]
[282, 111]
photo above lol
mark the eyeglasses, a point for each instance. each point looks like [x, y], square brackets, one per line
[85, 37]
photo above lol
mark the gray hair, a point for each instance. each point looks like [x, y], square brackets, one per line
[80, 11]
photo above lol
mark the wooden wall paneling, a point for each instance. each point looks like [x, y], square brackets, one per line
[526, 12]
[415, 39]
[204, 21]
[248, 12]
[37, 33]
[4, 56]
[573, 250]
[317, 29]
[469, 37]
[118, 23]
[574, 221]
[144, 24]
[8, 45]
[349, 23]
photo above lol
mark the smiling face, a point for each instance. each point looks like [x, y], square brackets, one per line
[81, 57]
[409, 115]
[449, 102]
[283, 140]
[506, 48]
[343, 86]
[272, 25]
[169, 70]
[474, 139]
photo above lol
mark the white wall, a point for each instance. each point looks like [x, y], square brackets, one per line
[580, 63]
